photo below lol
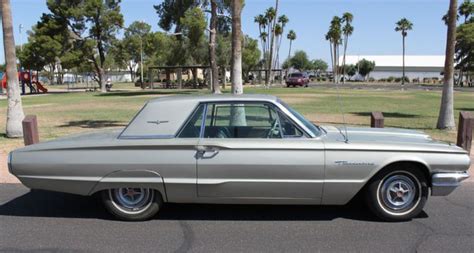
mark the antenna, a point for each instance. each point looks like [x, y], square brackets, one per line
[346, 137]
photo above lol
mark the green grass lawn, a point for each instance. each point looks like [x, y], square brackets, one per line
[67, 113]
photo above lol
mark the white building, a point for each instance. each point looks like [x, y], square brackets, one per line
[416, 66]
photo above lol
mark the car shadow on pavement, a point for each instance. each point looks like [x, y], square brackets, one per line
[60, 205]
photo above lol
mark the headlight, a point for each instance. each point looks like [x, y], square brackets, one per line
[9, 162]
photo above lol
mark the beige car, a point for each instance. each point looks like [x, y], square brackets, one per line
[247, 149]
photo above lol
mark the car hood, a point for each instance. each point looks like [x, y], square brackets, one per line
[386, 139]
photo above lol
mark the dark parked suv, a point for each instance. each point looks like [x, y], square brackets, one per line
[297, 79]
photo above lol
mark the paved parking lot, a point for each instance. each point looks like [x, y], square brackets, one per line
[60, 222]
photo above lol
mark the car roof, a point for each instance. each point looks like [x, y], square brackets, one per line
[215, 98]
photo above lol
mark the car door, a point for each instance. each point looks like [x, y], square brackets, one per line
[253, 151]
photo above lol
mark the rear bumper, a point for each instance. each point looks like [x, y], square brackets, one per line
[443, 184]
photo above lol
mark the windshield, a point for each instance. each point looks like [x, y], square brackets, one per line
[310, 126]
[296, 75]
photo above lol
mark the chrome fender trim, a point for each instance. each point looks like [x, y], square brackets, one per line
[443, 184]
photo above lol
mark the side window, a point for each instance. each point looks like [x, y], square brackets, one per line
[288, 128]
[242, 120]
[192, 128]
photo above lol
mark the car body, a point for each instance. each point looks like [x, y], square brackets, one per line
[297, 79]
[237, 149]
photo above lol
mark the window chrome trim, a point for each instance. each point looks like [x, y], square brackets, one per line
[275, 105]
[203, 122]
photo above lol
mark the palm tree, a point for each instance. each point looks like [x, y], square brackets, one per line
[282, 21]
[278, 33]
[271, 15]
[403, 26]
[446, 112]
[291, 36]
[466, 9]
[262, 22]
[347, 30]
[334, 37]
[14, 110]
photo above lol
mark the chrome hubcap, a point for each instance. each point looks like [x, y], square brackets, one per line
[131, 200]
[398, 192]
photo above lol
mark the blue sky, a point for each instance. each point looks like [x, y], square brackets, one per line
[374, 22]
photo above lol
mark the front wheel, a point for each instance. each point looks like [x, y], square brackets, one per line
[132, 204]
[398, 194]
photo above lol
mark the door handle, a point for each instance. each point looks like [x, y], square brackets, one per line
[204, 152]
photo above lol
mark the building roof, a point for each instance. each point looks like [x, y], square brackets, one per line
[396, 60]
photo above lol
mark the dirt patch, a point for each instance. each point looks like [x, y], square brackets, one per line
[5, 176]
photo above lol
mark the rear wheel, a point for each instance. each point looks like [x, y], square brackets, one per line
[132, 204]
[398, 194]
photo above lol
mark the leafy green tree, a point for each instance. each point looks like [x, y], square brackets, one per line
[300, 61]
[403, 26]
[223, 52]
[250, 55]
[466, 9]
[128, 51]
[465, 48]
[94, 25]
[365, 67]
[48, 47]
[350, 70]
[171, 12]
[319, 65]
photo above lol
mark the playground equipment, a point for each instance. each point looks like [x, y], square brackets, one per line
[26, 78]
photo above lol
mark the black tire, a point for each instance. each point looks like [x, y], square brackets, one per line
[144, 210]
[382, 194]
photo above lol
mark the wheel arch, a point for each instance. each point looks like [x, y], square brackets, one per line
[131, 178]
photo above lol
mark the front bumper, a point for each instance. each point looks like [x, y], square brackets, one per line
[443, 184]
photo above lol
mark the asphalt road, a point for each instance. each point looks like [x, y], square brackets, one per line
[54, 222]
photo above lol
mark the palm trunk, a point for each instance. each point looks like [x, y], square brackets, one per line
[212, 49]
[344, 60]
[272, 45]
[289, 51]
[237, 47]
[237, 113]
[15, 113]
[335, 74]
[446, 112]
[332, 58]
[403, 64]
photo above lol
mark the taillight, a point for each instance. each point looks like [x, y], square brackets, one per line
[300, 80]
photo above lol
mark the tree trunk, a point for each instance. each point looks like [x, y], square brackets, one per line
[446, 112]
[344, 60]
[332, 59]
[272, 45]
[237, 47]
[14, 110]
[289, 51]
[212, 49]
[224, 77]
[237, 112]
[335, 74]
[403, 64]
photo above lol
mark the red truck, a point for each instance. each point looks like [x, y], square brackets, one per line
[297, 79]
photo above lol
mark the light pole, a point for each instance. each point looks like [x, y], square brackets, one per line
[21, 44]
[141, 62]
